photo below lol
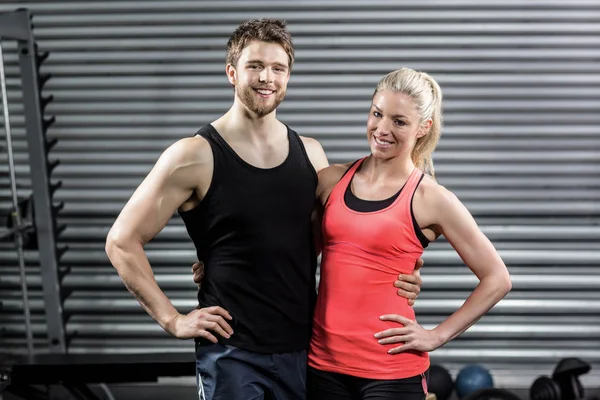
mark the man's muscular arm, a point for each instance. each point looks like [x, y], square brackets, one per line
[171, 182]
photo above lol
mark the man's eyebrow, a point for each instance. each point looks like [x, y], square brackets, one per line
[262, 63]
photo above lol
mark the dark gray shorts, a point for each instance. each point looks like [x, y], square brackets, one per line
[230, 373]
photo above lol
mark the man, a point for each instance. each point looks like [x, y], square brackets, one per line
[244, 186]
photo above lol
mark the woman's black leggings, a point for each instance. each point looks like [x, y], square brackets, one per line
[323, 385]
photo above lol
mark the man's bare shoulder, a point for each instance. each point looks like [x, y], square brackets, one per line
[186, 163]
[310, 142]
[189, 150]
[335, 170]
[330, 176]
[187, 154]
[315, 152]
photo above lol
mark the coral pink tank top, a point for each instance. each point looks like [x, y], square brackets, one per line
[363, 254]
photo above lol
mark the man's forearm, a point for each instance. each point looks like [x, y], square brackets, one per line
[133, 267]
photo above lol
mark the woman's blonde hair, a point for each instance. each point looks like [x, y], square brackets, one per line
[427, 95]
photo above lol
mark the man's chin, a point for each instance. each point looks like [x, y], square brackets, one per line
[262, 111]
[259, 110]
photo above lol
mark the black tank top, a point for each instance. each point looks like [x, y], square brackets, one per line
[253, 232]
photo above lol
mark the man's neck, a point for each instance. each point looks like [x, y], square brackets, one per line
[240, 121]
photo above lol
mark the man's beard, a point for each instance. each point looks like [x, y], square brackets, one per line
[248, 97]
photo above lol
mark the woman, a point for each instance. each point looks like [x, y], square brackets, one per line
[379, 213]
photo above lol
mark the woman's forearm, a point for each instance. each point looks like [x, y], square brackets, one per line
[489, 292]
[133, 267]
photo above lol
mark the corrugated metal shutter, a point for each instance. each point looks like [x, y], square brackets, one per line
[520, 148]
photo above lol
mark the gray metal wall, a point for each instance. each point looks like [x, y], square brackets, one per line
[520, 148]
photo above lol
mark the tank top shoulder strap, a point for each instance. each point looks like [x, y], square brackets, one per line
[209, 133]
[219, 147]
[404, 205]
[413, 181]
[295, 141]
[206, 132]
[340, 188]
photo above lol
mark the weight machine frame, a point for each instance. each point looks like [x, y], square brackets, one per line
[17, 26]
[21, 376]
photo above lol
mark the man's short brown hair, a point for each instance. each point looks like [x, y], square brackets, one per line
[265, 30]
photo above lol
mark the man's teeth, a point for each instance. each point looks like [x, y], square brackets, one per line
[382, 142]
[262, 91]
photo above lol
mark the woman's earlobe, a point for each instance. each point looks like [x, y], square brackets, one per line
[423, 131]
[425, 128]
